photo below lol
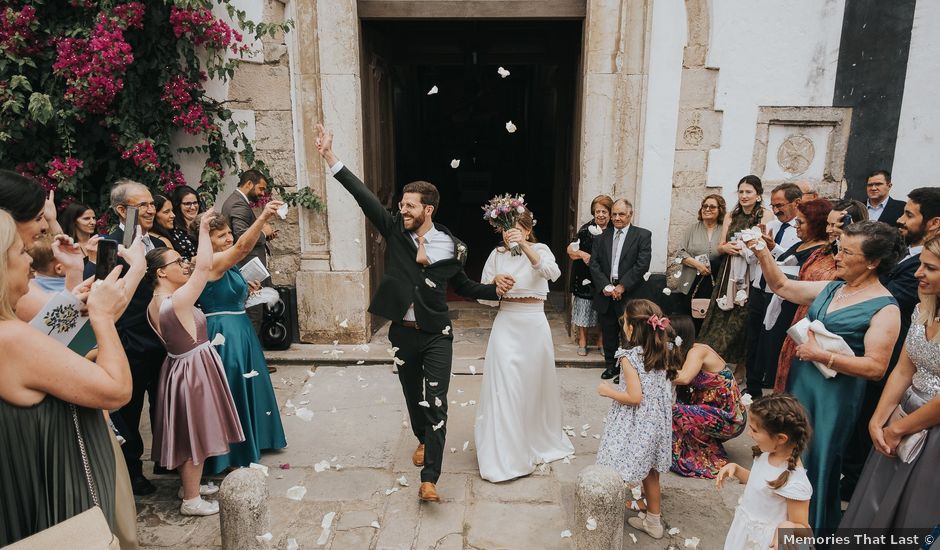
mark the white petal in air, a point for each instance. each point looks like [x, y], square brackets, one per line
[433, 90]
[646, 276]
[585, 282]
[433, 384]
[296, 492]
[424, 404]
[437, 402]
[399, 362]
[251, 374]
[594, 230]
[455, 163]
[438, 426]
[510, 127]
[219, 340]
[667, 292]
[430, 283]
[446, 330]
[502, 72]
[345, 323]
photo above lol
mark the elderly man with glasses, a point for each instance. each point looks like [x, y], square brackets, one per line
[144, 351]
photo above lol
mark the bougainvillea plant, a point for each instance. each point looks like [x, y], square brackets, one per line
[94, 90]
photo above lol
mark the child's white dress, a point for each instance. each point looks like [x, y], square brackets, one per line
[761, 509]
[638, 438]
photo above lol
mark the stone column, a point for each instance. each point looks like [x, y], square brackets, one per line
[599, 509]
[243, 510]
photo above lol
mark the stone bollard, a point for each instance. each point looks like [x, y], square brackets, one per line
[600, 497]
[243, 507]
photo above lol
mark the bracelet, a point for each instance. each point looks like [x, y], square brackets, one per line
[832, 357]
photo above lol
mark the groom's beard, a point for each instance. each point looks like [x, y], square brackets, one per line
[415, 222]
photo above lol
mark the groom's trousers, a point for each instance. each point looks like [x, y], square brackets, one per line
[425, 376]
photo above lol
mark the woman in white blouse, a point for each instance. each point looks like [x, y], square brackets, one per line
[519, 422]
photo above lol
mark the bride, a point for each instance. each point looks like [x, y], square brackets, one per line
[519, 425]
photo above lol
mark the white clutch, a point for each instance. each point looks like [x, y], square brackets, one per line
[828, 341]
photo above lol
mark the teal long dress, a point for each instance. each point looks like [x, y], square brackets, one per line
[223, 302]
[833, 404]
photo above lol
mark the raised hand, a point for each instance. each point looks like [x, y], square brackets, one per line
[325, 144]
[207, 217]
[270, 209]
[67, 253]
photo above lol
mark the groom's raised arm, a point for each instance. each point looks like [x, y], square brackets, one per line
[368, 202]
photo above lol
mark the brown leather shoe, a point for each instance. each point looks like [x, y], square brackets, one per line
[418, 458]
[428, 492]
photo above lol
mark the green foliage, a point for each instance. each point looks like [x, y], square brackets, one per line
[56, 54]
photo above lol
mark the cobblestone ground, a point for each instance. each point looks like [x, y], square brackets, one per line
[357, 429]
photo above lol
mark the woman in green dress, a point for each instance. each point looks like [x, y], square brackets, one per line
[865, 315]
[725, 331]
[223, 302]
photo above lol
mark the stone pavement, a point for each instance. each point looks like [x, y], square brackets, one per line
[358, 430]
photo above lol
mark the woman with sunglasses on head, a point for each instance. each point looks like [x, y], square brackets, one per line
[195, 416]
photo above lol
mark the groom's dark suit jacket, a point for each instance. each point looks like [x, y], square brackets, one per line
[635, 256]
[902, 284]
[404, 280]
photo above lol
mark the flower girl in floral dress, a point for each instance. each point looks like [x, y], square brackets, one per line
[637, 440]
[778, 491]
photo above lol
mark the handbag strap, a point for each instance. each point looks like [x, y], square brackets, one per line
[699, 283]
[84, 452]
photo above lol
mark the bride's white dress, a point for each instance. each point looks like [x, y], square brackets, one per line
[519, 425]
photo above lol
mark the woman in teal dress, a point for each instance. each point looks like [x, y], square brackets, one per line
[223, 302]
[861, 311]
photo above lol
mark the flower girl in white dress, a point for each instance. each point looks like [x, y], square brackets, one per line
[778, 491]
[519, 422]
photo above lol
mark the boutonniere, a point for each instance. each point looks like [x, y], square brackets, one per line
[461, 252]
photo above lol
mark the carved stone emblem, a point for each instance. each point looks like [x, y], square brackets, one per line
[795, 154]
[693, 135]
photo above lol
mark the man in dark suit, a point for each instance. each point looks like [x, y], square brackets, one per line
[881, 207]
[237, 211]
[918, 223]
[421, 258]
[619, 260]
[144, 351]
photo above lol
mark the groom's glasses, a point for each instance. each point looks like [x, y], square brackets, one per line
[402, 206]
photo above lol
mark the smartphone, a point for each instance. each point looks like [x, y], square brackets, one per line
[847, 220]
[130, 226]
[107, 258]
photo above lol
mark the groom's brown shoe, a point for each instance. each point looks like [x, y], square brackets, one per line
[428, 492]
[418, 458]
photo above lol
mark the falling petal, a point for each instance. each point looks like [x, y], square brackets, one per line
[446, 330]
[502, 72]
[251, 374]
[438, 426]
[433, 384]
[267, 413]
[437, 402]
[399, 362]
[455, 163]
[345, 323]
[430, 283]
[510, 127]
[585, 282]
[375, 524]
[296, 492]
[433, 90]
[667, 292]
[282, 211]
[646, 276]
[424, 404]
[218, 340]
[403, 481]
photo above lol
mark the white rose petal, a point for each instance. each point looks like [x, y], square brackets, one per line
[292, 544]
[321, 466]
[360, 362]
[398, 362]
[305, 414]
[594, 230]
[403, 481]
[264, 538]
[433, 90]
[591, 524]
[392, 351]
[390, 491]
[677, 274]
[433, 384]
[333, 410]
[566, 534]
[345, 323]
[446, 330]
[692, 543]
[473, 370]
[472, 402]
[261, 467]
[219, 340]
[746, 399]
[437, 402]
[453, 450]
[575, 245]
[296, 492]
[673, 531]
[636, 493]
[251, 374]
[466, 445]
[502, 72]
[677, 261]
[667, 292]
[325, 525]
[510, 127]
[375, 524]
[438, 426]
[424, 404]
[646, 276]
[678, 341]
[430, 283]
[455, 163]
[609, 288]
[632, 537]
[585, 282]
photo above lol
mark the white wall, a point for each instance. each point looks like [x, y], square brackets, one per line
[769, 53]
[667, 41]
[918, 146]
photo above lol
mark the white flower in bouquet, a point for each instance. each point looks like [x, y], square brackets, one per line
[594, 230]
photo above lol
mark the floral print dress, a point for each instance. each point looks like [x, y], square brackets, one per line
[637, 437]
[713, 415]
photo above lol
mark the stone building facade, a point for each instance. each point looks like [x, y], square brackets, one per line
[674, 99]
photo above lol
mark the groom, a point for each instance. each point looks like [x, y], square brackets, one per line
[421, 257]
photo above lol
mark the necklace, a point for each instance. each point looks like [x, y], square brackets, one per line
[843, 295]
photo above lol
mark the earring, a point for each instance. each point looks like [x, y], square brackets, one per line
[871, 267]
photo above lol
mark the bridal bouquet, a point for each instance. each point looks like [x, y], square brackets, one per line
[502, 211]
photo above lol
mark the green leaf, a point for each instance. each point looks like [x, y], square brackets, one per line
[40, 108]
[20, 81]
